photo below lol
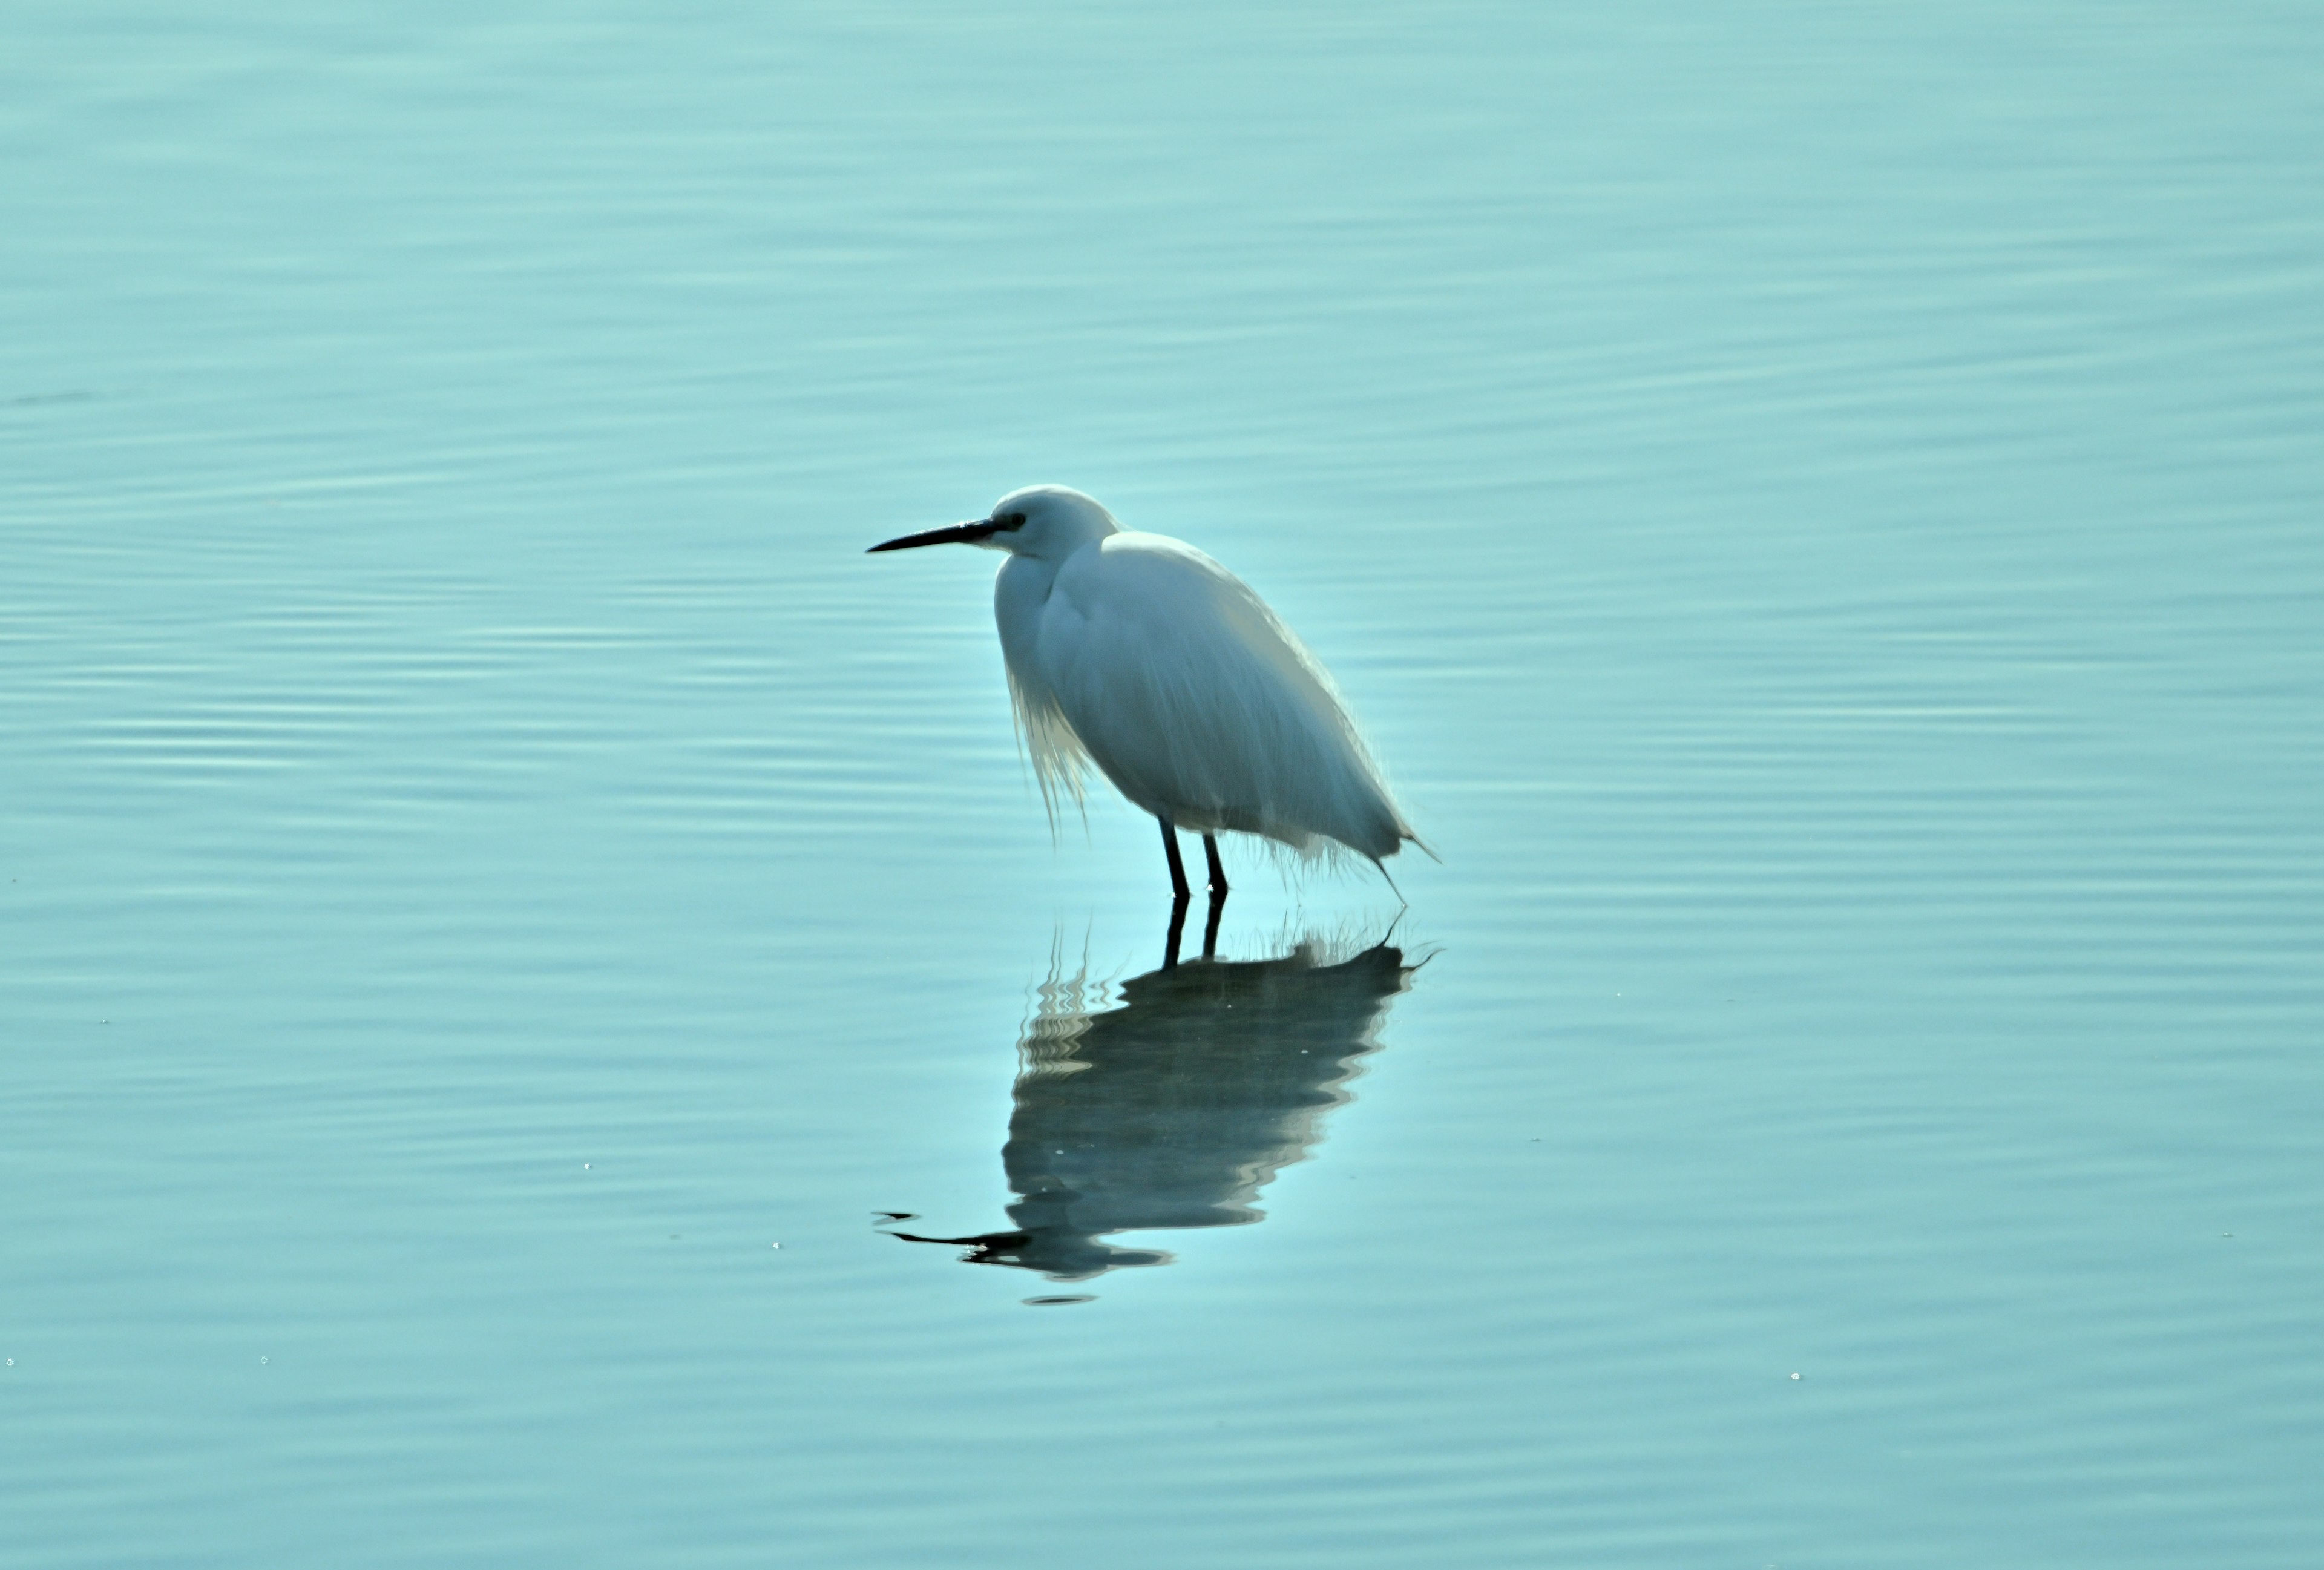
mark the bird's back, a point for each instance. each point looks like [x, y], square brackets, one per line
[1190, 694]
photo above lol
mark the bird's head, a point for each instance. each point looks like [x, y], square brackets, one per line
[1046, 521]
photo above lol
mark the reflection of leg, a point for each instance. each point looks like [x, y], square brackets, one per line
[1211, 926]
[1177, 926]
[1218, 872]
[1177, 867]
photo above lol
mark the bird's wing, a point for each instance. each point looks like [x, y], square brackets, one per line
[1201, 706]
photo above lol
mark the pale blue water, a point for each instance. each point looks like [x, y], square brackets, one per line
[1818, 508]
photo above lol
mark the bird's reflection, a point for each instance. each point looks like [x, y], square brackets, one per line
[1175, 1109]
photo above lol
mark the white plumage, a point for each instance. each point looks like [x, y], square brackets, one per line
[1143, 656]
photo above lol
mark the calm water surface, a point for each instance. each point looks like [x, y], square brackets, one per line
[1818, 509]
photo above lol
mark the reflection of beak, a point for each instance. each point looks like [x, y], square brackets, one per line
[967, 533]
[1060, 1255]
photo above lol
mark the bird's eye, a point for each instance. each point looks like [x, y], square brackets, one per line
[1011, 520]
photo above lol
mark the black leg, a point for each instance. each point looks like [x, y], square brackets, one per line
[1211, 926]
[1179, 893]
[1177, 867]
[1218, 872]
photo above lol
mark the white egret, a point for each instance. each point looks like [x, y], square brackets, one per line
[1146, 657]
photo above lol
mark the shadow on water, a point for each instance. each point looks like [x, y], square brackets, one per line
[1176, 1108]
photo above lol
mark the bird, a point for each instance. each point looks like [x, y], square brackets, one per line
[1139, 654]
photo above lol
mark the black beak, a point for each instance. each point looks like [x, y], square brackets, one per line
[967, 533]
